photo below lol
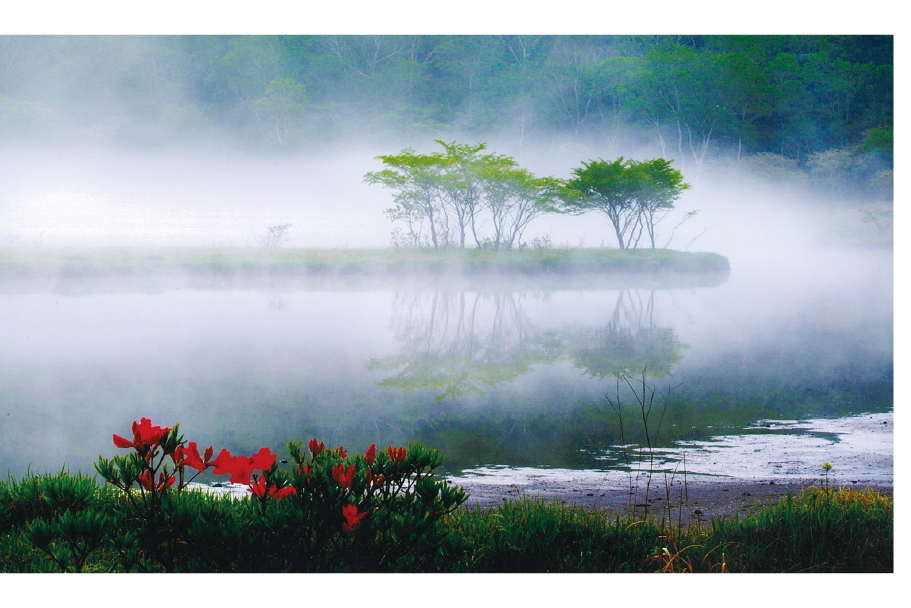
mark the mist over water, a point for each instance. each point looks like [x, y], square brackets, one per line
[493, 372]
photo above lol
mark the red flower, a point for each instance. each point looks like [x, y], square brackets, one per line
[164, 484]
[286, 491]
[189, 456]
[145, 480]
[263, 460]
[144, 436]
[341, 452]
[370, 455]
[352, 519]
[306, 470]
[374, 481]
[224, 463]
[258, 488]
[240, 467]
[396, 454]
[344, 479]
[316, 448]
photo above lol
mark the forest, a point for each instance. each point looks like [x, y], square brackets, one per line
[688, 97]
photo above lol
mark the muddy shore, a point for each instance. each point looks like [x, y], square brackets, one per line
[698, 501]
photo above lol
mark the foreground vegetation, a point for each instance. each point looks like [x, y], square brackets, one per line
[842, 531]
[241, 261]
[387, 511]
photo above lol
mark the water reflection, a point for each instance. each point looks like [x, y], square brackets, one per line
[629, 344]
[511, 373]
[463, 343]
[460, 343]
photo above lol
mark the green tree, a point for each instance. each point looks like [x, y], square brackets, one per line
[657, 185]
[606, 187]
[416, 179]
[461, 185]
[514, 197]
[447, 192]
[281, 106]
[634, 195]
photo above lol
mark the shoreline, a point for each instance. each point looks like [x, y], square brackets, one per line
[698, 501]
[860, 448]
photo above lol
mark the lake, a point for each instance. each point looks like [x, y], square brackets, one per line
[509, 376]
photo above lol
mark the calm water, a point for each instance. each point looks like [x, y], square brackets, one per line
[510, 372]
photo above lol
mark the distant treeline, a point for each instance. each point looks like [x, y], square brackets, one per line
[685, 97]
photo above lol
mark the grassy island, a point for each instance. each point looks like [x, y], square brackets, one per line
[25, 263]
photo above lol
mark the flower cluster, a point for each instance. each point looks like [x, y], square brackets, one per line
[359, 487]
[145, 437]
[359, 496]
[149, 442]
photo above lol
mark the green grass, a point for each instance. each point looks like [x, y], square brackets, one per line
[119, 261]
[816, 531]
[840, 531]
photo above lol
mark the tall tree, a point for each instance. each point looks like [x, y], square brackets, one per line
[281, 106]
[656, 186]
[634, 195]
[514, 197]
[607, 187]
[415, 178]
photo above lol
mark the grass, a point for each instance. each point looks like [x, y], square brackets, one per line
[26, 263]
[819, 530]
[815, 531]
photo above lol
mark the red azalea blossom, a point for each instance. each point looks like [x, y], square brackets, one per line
[258, 487]
[370, 455]
[144, 436]
[263, 460]
[396, 454]
[241, 467]
[352, 519]
[223, 464]
[374, 481]
[189, 456]
[145, 480]
[164, 484]
[344, 479]
[286, 491]
[316, 448]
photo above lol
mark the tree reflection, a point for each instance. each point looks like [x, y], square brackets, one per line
[459, 343]
[462, 343]
[630, 343]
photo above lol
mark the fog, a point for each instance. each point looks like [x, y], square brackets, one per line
[63, 197]
[483, 368]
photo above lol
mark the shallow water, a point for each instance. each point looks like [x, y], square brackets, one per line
[508, 372]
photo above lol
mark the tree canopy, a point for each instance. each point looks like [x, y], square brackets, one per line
[634, 195]
[441, 197]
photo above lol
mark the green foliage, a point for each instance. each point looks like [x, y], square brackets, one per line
[415, 526]
[634, 195]
[448, 192]
[689, 96]
[818, 530]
